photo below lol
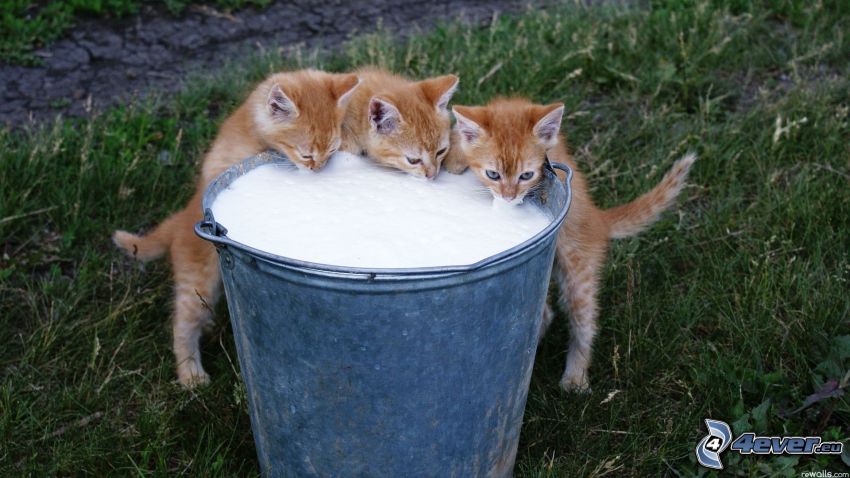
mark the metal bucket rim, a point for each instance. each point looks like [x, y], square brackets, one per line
[209, 230]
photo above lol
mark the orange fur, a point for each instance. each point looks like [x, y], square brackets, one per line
[510, 137]
[400, 123]
[298, 113]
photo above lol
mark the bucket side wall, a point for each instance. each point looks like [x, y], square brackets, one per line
[348, 379]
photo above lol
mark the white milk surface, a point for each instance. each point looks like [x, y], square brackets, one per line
[352, 213]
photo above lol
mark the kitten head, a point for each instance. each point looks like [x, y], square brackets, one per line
[300, 114]
[409, 126]
[505, 143]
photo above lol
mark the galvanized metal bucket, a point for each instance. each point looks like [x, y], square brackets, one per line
[386, 372]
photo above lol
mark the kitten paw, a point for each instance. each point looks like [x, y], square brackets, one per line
[546, 321]
[126, 242]
[191, 375]
[575, 384]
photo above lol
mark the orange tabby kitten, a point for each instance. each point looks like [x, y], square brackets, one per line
[298, 113]
[506, 144]
[400, 123]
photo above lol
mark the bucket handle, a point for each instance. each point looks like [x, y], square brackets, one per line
[568, 181]
[210, 230]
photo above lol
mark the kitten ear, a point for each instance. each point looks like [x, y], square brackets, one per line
[384, 116]
[468, 129]
[280, 107]
[343, 87]
[548, 126]
[440, 90]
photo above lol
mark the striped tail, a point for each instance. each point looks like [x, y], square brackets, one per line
[631, 218]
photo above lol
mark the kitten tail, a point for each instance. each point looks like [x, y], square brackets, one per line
[631, 218]
[148, 247]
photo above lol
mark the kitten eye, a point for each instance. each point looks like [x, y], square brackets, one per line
[442, 151]
[307, 156]
[492, 174]
[526, 175]
[413, 160]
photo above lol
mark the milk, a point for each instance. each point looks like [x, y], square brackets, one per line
[353, 213]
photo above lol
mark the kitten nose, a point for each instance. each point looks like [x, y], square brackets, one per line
[312, 165]
[430, 173]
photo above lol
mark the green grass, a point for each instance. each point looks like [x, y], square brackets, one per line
[26, 25]
[736, 307]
